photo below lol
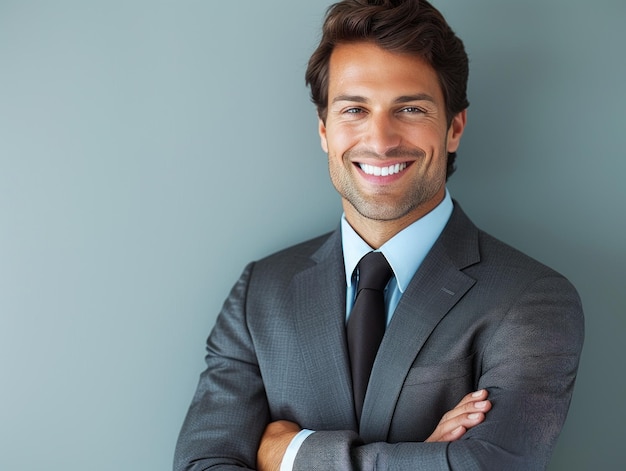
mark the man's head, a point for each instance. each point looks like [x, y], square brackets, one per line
[412, 27]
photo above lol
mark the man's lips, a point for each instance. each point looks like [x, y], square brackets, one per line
[383, 171]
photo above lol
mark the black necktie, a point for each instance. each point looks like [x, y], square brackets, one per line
[367, 322]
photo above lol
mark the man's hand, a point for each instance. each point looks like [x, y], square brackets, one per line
[466, 414]
[274, 443]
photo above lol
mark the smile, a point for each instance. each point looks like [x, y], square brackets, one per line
[383, 171]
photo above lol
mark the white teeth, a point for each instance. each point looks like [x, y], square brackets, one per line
[382, 171]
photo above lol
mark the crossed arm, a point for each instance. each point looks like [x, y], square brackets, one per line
[469, 412]
[528, 366]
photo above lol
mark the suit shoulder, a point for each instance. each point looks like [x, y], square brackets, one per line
[516, 272]
[270, 277]
[473, 249]
[494, 251]
[297, 257]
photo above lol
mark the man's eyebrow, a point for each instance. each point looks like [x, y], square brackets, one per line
[354, 98]
[416, 97]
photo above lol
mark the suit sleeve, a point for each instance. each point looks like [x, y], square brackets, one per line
[529, 367]
[229, 411]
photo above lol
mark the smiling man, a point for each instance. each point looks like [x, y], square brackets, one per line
[407, 339]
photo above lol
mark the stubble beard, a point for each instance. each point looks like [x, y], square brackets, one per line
[380, 208]
[385, 206]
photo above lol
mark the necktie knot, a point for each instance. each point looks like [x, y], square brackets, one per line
[374, 272]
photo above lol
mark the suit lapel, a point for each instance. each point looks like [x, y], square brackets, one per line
[436, 287]
[319, 306]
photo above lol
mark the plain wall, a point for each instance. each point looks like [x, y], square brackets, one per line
[150, 149]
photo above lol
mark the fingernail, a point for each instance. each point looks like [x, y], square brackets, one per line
[478, 393]
[480, 404]
[473, 416]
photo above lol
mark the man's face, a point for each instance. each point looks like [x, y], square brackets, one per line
[386, 134]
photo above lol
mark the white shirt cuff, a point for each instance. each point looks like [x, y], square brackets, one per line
[292, 450]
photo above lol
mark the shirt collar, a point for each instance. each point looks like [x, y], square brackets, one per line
[405, 251]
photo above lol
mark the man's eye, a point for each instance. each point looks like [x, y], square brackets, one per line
[353, 110]
[412, 109]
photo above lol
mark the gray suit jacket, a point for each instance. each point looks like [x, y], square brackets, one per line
[477, 314]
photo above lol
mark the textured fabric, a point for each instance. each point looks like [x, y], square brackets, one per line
[477, 314]
[367, 322]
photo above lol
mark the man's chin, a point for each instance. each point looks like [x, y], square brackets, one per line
[382, 212]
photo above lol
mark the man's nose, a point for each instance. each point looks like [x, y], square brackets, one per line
[383, 133]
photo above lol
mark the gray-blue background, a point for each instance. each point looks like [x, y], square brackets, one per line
[149, 149]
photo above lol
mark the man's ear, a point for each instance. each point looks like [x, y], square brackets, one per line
[322, 132]
[455, 131]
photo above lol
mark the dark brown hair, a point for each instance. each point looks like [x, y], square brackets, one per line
[402, 26]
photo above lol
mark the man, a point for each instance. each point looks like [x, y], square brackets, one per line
[478, 360]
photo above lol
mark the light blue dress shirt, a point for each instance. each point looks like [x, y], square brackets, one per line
[405, 252]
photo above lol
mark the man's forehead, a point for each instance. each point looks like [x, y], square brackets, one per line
[358, 69]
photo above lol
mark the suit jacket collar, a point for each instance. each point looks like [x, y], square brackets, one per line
[460, 239]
